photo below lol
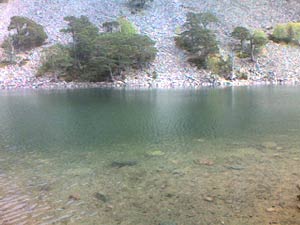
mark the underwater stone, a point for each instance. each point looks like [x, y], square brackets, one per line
[167, 223]
[101, 197]
[156, 153]
[120, 164]
[208, 199]
[235, 167]
[269, 145]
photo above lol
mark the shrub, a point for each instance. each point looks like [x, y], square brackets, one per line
[94, 56]
[28, 34]
[242, 34]
[56, 58]
[219, 65]
[280, 33]
[289, 33]
[126, 27]
[196, 39]
[137, 5]
[9, 51]
[251, 42]
[242, 76]
[111, 26]
[257, 41]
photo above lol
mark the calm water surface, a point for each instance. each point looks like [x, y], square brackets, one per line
[185, 157]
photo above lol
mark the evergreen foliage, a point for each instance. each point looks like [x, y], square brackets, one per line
[219, 65]
[255, 41]
[242, 34]
[28, 34]
[258, 40]
[197, 39]
[126, 27]
[289, 33]
[137, 5]
[57, 58]
[95, 56]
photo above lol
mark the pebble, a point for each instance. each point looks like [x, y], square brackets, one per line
[272, 209]
[74, 197]
[155, 153]
[168, 223]
[205, 162]
[101, 197]
[209, 199]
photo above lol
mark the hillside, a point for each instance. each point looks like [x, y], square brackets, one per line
[160, 21]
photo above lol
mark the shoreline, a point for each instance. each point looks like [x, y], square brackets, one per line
[62, 85]
[278, 65]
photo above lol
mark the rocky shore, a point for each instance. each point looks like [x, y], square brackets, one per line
[278, 64]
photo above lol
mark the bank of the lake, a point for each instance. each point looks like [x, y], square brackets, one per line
[278, 63]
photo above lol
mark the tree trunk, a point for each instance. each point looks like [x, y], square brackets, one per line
[11, 51]
[232, 77]
[111, 75]
[252, 50]
[242, 45]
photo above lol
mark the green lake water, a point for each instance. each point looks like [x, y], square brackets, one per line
[195, 157]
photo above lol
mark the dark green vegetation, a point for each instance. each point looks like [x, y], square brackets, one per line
[94, 56]
[137, 5]
[28, 34]
[251, 42]
[289, 33]
[201, 43]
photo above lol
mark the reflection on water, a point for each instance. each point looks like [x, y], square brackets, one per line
[211, 156]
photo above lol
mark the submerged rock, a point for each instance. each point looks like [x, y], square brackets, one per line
[101, 197]
[168, 223]
[119, 164]
[205, 162]
[74, 197]
[272, 209]
[269, 145]
[209, 199]
[235, 167]
[155, 153]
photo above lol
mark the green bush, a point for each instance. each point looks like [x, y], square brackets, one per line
[94, 56]
[28, 34]
[242, 76]
[251, 42]
[197, 39]
[56, 58]
[115, 52]
[219, 65]
[137, 5]
[126, 27]
[289, 33]
[242, 34]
